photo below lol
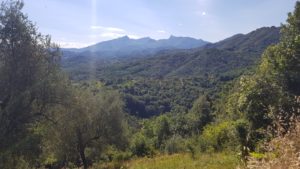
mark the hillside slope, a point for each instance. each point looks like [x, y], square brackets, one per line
[170, 80]
[224, 57]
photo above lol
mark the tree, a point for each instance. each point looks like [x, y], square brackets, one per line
[287, 60]
[280, 69]
[267, 96]
[281, 62]
[163, 130]
[201, 112]
[91, 121]
[29, 79]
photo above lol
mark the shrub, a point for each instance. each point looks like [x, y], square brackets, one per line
[175, 144]
[219, 136]
[14, 163]
[282, 152]
[140, 146]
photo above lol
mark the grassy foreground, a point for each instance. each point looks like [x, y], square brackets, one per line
[183, 161]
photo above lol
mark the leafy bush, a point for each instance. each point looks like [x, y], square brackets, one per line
[219, 136]
[140, 146]
[175, 144]
[14, 163]
[114, 154]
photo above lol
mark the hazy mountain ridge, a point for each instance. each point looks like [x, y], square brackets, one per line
[126, 46]
[224, 57]
[255, 40]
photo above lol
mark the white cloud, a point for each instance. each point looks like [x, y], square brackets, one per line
[96, 27]
[133, 36]
[96, 34]
[161, 31]
[64, 44]
[109, 32]
[111, 35]
[109, 29]
[115, 29]
[203, 13]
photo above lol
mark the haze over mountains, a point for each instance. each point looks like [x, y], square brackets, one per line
[125, 46]
[173, 57]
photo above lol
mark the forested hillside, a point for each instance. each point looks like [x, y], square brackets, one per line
[82, 63]
[231, 104]
[224, 57]
[171, 80]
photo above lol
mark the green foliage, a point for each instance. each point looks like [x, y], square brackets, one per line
[149, 97]
[223, 58]
[113, 153]
[140, 146]
[16, 162]
[30, 83]
[93, 121]
[257, 155]
[170, 81]
[256, 95]
[288, 58]
[266, 98]
[47, 122]
[201, 113]
[163, 130]
[175, 144]
[221, 136]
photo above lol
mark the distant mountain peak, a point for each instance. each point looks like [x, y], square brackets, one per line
[146, 38]
[126, 37]
[172, 37]
[124, 46]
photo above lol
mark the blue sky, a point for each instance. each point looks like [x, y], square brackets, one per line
[78, 23]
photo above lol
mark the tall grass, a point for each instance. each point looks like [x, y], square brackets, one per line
[283, 152]
[186, 161]
[178, 161]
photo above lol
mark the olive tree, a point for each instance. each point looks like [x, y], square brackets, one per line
[89, 123]
[29, 81]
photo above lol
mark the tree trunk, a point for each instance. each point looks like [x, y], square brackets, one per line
[82, 156]
[81, 148]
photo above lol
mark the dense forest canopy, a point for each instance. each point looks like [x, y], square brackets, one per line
[221, 99]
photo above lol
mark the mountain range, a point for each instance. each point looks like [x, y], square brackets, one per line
[125, 46]
[168, 79]
[186, 57]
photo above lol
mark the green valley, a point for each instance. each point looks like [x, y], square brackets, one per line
[143, 103]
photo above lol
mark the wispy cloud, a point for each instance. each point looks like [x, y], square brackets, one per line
[110, 29]
[161, 31]
[96, 27]
[64, 44]
[107, 33]
[111, 35]
[133, 36]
